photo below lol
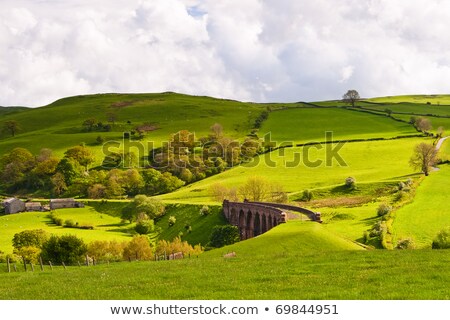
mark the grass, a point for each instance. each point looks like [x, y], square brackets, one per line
[442, 99]
[435, 122]
[376, 161]
[305, 125]
[59, 125]
[104, 217]
[428, 213]
[296, 264]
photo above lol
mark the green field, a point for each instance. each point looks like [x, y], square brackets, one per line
[366, 161]
[305, 125]
[58, 126]
[110, 227]
[429, 213]
[292, 261]
[296, 260]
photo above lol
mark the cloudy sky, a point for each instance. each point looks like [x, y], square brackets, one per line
[252, 50]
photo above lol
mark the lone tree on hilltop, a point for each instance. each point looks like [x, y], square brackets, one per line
[424, 157]
[351, 97]
[12, 127]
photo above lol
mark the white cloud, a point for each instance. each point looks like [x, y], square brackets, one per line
[260, 50]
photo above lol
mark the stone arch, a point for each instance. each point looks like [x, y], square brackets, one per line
[275, 222]
[241, 224]
[264, 223]
[234, 219]
[249, 225]
[257, 225]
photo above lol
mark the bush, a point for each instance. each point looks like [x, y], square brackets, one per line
[366, 237]
[144, 226]
[401, 186]
[138, 249]
[68, 249]
[70, 223]
[205, 210]
[401, 196]
[442, 239]
[172, 221]
[383, 209]
[106, 250]
[406, 243]
[307, 195]
[350, 183]
[30, 238]
[224, 235]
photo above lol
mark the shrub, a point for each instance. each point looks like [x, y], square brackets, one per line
[350, 183]
[406, 243]
[144, 226]
[205, 210]
[401, 185]
[138, 249]
[106, 250]
[401, 196]
[307, 195]
[442, 239]
[224, 235]
[30, 238]
[383, 209]
[68, 249]
[366, 237]
[172, 221]
[70, 224]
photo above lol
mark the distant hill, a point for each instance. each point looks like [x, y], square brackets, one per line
[10, 110]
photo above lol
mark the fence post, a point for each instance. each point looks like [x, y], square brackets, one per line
[42, 265]
[51, 266]
[165, 255]
[9, 266]
[79, 264]
[64, 265]
[32, 267]
[87, 261]
[15, 267]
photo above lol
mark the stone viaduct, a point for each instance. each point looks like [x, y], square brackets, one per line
[255, 218]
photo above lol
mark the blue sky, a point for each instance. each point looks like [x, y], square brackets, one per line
[252, 50]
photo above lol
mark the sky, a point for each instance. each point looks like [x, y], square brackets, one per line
[248, 50]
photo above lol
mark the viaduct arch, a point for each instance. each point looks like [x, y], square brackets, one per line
[255, 218]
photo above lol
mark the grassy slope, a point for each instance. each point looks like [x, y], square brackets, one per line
[300, 261]
[309, 124]
[107, 227]
[59, 125]
[366, 161]
[442, 99]
[429, 212]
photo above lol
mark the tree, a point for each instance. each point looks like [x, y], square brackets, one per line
[111, 117]
[442, 239]
[224, 235]
[351, 97]
[90, 123]
[424, 157]
[12, 127]
[145, 226]
[81, 154]
[423, 124]
[142, 204]
[138, 248]
[67, 248]
[255, 189]
[217, 130]
[440, 132]
[30, 238]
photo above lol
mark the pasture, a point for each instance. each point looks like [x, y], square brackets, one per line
[428, 213]
[375, 161]
[304, 125]
[311, 265]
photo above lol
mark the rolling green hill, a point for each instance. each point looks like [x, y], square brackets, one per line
[296, 260]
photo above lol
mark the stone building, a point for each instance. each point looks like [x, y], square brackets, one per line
[33, 206]
[65, 203]
[13, 205]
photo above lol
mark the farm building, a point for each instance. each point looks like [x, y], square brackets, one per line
[13, 205]
[65, 203]
[33, 206]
